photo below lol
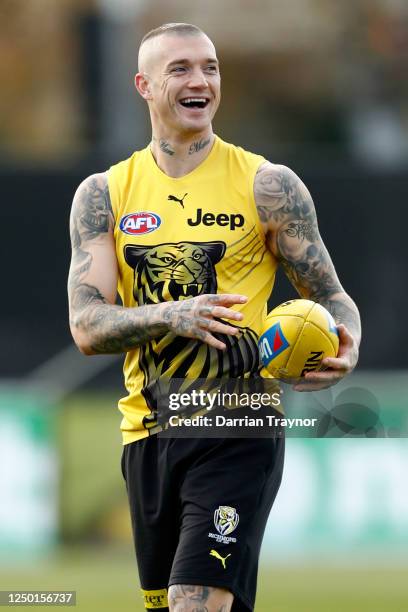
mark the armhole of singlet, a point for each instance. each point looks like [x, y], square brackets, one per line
[113, 193]
[251, 190]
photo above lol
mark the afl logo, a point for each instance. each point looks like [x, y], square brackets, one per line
[139, 223]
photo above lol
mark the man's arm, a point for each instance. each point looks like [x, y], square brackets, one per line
[288, 215]
[97, 324]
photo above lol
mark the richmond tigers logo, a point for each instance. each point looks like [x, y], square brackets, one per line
[174, 272]
[226, 519]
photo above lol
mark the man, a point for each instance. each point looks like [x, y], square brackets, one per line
[191, 230]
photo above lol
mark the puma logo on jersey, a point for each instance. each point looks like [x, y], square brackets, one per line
[217, 555]
[222, 219]
[175, 199]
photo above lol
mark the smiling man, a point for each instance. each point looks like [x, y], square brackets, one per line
[176, 110]
[190, 231]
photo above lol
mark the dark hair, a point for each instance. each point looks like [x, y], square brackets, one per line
[182, 29]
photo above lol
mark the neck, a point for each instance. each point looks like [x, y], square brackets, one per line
[177, 156]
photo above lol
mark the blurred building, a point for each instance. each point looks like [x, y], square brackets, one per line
[298, 77]
[318, 85]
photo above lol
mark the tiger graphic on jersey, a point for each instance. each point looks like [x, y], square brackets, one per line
[179, 271]
[173, 271]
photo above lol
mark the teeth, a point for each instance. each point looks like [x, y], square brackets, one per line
[190, 100]
[192, 286]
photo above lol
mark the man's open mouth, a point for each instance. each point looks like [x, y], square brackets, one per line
[196, 102]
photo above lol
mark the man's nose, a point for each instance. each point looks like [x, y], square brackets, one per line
[198, 79]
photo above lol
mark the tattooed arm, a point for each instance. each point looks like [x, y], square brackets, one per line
[97, 324]
[288, 216]
[191, 598]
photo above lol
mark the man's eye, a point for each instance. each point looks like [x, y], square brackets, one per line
[178, 69]
[211, 68]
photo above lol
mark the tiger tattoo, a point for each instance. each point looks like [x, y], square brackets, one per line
[179, 271]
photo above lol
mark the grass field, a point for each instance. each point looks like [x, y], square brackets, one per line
[105, 580]
[93, 505]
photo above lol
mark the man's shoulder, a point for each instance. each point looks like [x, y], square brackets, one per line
[93, 183]
[92, 200]
[240, 157]
[122, 171]
[270, 173]
[265, 168]
[238, 149]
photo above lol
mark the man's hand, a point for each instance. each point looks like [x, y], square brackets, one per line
[197, 317]
[337, 367]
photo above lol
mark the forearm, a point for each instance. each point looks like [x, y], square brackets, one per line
[343, 310]
[102, 328]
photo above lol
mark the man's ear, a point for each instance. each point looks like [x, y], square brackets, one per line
[142, 84]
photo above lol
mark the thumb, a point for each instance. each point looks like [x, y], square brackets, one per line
[345, 338]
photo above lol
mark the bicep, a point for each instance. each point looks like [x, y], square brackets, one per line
[93, 271]
[288, 214]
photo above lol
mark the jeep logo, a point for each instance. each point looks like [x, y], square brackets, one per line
[222, 219]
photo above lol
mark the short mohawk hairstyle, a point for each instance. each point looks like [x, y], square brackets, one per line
[173, 28]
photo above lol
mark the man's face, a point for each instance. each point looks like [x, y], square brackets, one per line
[184, 81]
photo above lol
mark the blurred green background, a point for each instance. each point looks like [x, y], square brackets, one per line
[337, 538]
[104, 579]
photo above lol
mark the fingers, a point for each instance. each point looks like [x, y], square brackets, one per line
[209, 339]
[315, 381]
[218, 327]
[346, 340]
[347, 356]
[336, 367]
[335, 363]
[325, 375]
[226, 299]
[199, 317]
[322, 379]
[217, 307]
[210, 325]
[221, 313]
[206, 337]
[308, 386]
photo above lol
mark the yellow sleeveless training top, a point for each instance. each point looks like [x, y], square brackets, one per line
[181, 237]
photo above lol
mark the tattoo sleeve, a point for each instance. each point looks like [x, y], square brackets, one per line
[97, 324]
[286, 209]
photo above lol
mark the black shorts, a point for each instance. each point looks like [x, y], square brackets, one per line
[199, 508]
